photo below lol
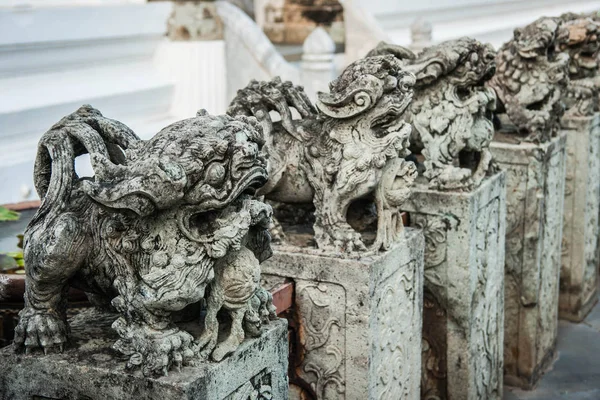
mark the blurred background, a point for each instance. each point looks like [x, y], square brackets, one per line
[150, 63]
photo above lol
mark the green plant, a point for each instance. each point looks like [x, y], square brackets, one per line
[8, 215]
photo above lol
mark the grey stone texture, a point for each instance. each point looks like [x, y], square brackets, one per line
[581, 96]
[580, 253]
[359, 319]
[535, 187]
[163, 223]
[463, 315]
[532, 78]
[451, 110]
[351, 145]
[90, 369]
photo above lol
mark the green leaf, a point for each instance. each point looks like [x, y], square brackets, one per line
[7, 263]
[17, 255]
[8, 215]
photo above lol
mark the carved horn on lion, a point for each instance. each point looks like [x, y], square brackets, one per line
[360, 95]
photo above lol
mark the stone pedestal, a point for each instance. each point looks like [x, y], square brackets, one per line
[463, 311]
[579, 272]
[90, 369]
[358, 320]
[535, 185]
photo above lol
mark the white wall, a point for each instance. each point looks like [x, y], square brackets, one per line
[55, 57]
[491, 21]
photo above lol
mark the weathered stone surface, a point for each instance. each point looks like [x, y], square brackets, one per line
[535, 186]
[359, 319]
[579, 272]
[464, 285]
[532, 78]
[160, 221]
[451, 110]
[582, 46]
[350, 146]
[91, 369]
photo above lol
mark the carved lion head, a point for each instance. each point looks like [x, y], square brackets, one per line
[539, 38]
[374, 89]
[582, 45]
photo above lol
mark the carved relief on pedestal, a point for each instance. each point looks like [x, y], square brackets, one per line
[551, 256]
[257, 388]
[487, 309]
[570, 175]
[516, 184]
[390, 355]
[321, 311]
[435, 335]
[434, 361]
[592, 230]
[435, 230]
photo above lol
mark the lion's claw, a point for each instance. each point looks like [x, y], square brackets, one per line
[45, 330]
[155, 351]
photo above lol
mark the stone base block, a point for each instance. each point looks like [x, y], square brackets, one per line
[579, 273]
[358, 320]
[535, 186]
[463, 315]
[91, 370]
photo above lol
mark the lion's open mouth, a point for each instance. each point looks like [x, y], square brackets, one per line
[253, 179]
[391, 121]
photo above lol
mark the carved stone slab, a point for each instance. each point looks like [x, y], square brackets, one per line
[464, 286]
[535, 183]
[579, 272]
[90, 369]
[359, 320]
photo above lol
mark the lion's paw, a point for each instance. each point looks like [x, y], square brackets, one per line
[45, 330]
[156, 352]
[343, 239]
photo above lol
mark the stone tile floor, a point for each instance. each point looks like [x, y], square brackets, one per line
[576, 373]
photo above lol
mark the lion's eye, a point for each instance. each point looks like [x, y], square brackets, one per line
[215, 174]
[390, 82]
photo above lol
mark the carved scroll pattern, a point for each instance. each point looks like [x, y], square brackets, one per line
[433, 361]
[569, 201]
[392, 336]
[590, 277]
[433, 357]
[257, 388]
[516, 187]
[321, 309]
[434, 229]
[516, 194]
[486, 324]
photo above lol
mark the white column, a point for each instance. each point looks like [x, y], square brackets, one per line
[318, 68]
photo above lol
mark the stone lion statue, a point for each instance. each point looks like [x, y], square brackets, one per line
[451, 113]
[351, 145]
[532, 77]
[582, 46]
[161, 225]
